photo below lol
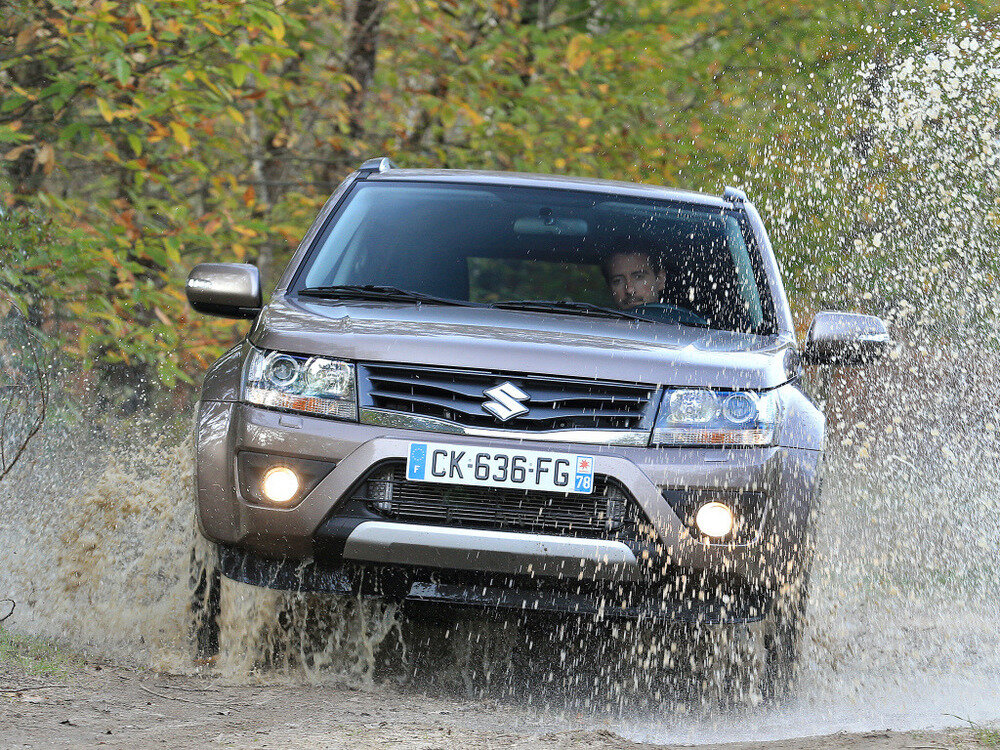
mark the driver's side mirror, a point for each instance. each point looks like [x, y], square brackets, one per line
[229, 290]
[837, 338]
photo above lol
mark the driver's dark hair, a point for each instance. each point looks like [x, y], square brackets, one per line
[655, 259]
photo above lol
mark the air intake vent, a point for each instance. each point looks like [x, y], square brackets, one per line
[609, 512]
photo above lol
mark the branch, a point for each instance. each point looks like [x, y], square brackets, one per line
[21, 442]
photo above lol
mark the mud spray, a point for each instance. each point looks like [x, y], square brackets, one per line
[904, 616]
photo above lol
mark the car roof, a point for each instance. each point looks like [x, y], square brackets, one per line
[527, 179]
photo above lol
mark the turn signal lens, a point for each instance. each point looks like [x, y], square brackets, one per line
[279, 484]
[714, 520]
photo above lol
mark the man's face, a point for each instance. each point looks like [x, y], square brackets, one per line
[632, 280]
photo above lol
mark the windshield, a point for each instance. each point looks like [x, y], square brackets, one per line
[544, 250]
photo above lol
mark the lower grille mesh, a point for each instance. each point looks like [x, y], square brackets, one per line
[609, 512]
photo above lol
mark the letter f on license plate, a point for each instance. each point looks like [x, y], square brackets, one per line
[500, 467]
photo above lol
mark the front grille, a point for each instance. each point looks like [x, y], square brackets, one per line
[554, 403]
[609, 512]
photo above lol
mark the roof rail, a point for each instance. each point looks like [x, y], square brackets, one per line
[380, 164]
[734, 195]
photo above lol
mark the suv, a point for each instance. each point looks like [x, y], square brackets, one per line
[515, 391]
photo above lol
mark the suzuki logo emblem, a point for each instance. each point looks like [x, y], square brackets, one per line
[506, 401]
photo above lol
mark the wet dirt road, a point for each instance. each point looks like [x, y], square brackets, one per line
[105, 705]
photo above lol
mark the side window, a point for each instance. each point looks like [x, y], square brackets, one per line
[746, 281]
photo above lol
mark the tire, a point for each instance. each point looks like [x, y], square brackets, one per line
[783, 639]
[740, 664]
[205, 583]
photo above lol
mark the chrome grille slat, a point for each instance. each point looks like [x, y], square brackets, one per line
[457, 397]
[539, 394]
[474, 408]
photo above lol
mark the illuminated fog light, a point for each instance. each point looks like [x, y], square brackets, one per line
[714, 520]
[280, 484]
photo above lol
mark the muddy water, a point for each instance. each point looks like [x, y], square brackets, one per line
[904, 617]
[95, 540]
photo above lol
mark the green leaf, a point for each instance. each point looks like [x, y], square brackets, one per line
[121, 69]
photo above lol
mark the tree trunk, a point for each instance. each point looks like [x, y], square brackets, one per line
[359, 63]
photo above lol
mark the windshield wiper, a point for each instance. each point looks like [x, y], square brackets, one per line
[377, 292]
[578, 308]
[587, 308]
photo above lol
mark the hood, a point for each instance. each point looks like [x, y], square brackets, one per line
[510, 341]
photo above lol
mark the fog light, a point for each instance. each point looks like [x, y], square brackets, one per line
[279, 484]
[714, 520]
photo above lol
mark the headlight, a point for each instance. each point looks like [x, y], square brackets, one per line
[697, 416]
[315, 385]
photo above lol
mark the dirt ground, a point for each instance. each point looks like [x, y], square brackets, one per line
[107, 705]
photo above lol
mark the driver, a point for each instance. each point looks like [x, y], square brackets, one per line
[635, 277]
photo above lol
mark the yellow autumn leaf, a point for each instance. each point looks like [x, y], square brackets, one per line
[45, 157]
[105, 110]
[475, 117]
[143, 13]
[181, 135]
[17, 151]
[576, 53]
[109, 256]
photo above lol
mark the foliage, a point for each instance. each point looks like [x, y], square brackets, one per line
[120, 120]
[34, 655]
[140, 138]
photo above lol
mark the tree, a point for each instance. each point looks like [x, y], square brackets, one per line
[148, 136]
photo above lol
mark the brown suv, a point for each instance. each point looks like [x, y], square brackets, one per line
[522, 391]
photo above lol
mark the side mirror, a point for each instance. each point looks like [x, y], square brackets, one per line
[837, 338]
[228, 290]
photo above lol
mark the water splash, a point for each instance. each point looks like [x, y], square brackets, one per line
[892, 209]
[95, 541]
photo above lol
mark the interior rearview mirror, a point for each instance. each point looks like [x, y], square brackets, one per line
[228, 290]
[544, 225]
[837, 338]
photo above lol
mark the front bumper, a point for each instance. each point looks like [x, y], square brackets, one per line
[505, 552]
[786, 476]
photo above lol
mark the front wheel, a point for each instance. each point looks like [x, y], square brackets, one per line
[751, 663]
[783, 638]
[205, 604]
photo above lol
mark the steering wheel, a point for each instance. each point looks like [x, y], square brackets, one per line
[676, 312]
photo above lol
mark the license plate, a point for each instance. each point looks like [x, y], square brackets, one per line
[500, 467]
